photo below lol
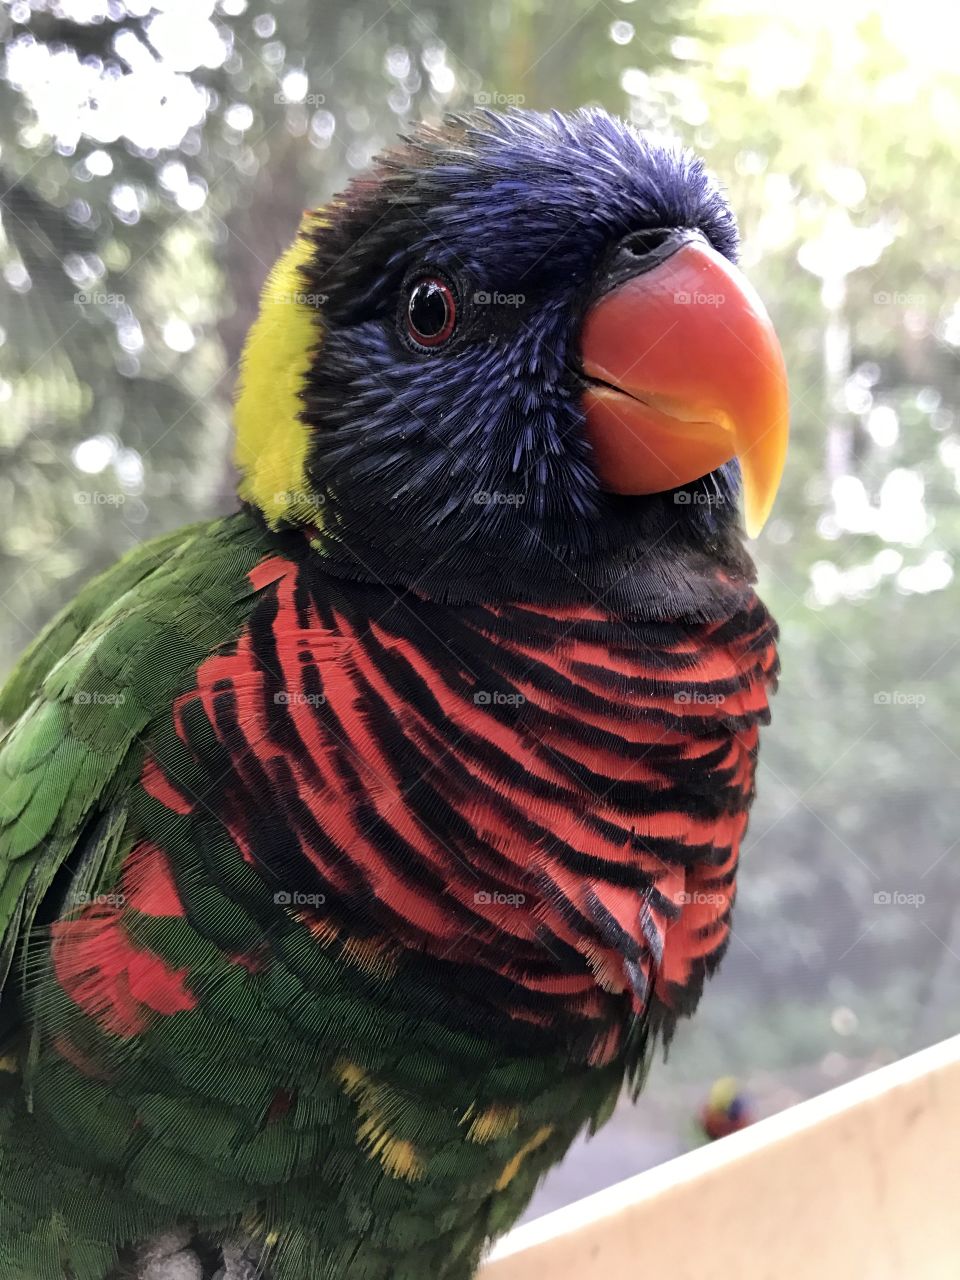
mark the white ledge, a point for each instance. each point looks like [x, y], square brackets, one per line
[860, 1183]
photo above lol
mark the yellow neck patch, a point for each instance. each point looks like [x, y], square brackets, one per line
[271, 441]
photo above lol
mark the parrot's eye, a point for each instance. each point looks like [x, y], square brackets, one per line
[431, 312]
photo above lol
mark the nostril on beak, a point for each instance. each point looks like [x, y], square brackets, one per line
[646, 248]
[640, 243]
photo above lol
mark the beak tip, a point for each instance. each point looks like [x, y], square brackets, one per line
[762, 458]
[758, 505]
[756, 510]
[754, 526]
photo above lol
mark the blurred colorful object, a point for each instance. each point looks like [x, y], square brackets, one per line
[726, 1109]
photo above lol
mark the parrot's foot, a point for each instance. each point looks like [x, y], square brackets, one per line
[182, 1255]
[170, 1257]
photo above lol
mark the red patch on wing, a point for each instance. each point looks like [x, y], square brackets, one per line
[270, 570]
[148, 883]
[156, 783]
[114, 982]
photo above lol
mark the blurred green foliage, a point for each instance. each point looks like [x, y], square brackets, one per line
[153, 161]
[834, 129]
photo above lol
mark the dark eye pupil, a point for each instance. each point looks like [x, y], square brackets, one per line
[428, 308]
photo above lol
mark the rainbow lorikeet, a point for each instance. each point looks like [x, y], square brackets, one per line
[356, 848]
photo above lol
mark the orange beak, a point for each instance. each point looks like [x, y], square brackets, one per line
[684, 374]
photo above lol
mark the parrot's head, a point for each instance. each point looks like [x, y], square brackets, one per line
[516, 357]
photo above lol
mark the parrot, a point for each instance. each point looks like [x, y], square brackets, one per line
[359, 847]
[727, 1109]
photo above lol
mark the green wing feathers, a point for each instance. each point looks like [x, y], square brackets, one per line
[85, 693]
[98, 596]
